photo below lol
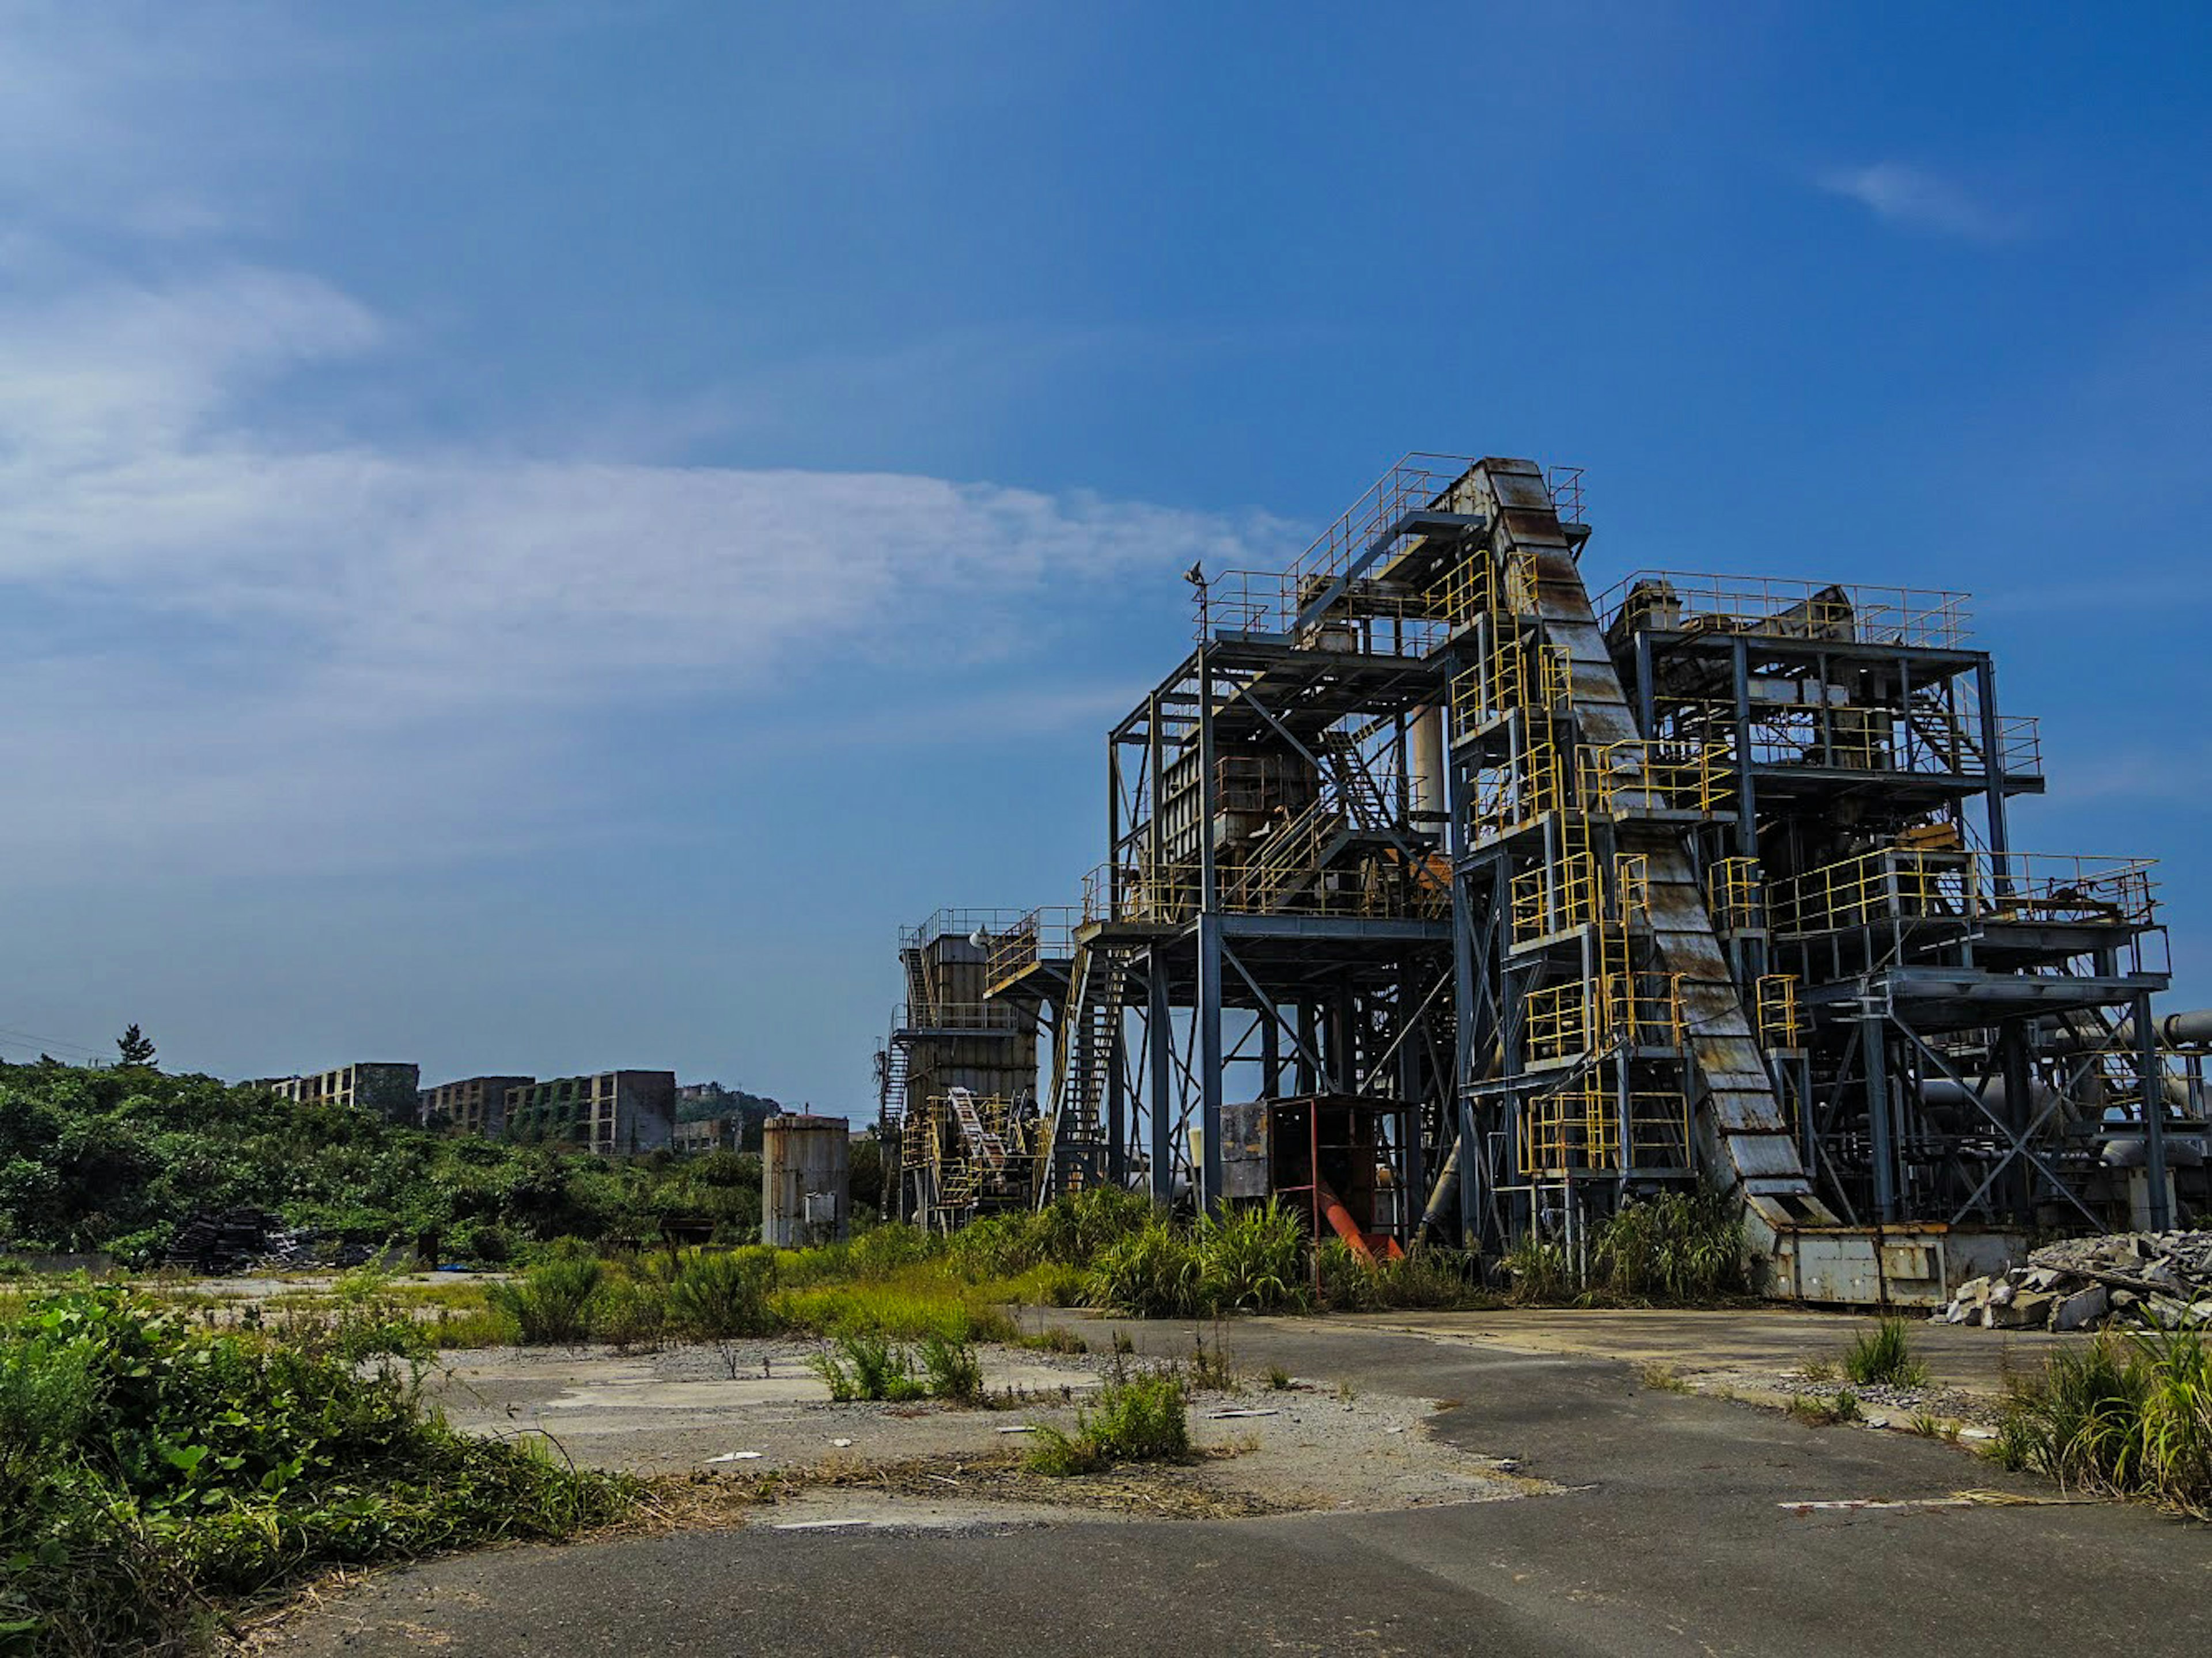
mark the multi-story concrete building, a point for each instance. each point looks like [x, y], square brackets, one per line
[383, 1088]
[474, 1105]
[613, 1114]
[709, 1135]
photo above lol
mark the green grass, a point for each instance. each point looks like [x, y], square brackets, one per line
[1138, 1419]
[552, 1301]
[153, 1471]
[2124, 1416]
[1842, 1405]
[1253, 1260]
[1883, 1357]
[865, 1366]
[1681, 1247]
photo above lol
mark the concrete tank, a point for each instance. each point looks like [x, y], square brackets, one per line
[806, 1180]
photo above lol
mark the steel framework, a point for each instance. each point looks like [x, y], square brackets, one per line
[1705, 879]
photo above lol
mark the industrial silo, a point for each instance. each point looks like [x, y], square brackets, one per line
[805, 1179]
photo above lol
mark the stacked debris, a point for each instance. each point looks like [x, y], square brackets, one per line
[235, 1239]
[2160, 1280]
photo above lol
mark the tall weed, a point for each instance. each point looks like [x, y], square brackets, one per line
[552, 1301]
[2127, 1416]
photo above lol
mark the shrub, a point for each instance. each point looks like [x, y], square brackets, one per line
[889, 1246]
[1141, 1419]
[1425, 1278]
[1541, 1272]
[2127, 1416]
[1152, 1272]
[1679, 1246]
[629, 1312]
[150, 1470]
[552, 1301]
[865, 1367]
[951, 1370]
[1251, 1260]
[1883, 1356]
[1842, 1405]
[715, 1296]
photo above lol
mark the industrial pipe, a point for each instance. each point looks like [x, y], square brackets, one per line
[2190, 1030]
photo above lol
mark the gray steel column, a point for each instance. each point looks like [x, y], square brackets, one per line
[1646, 692]
[1117, 1057]
[1985, 683]
[1747, 821]
[2153, 1108]
[1471, 1173]
[1271, 1054]
[1209, 1057]
[1872, 1054]
[1159, 1048]
[2020, 1111]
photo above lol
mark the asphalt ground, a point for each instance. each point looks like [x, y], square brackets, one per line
[1681, 1530]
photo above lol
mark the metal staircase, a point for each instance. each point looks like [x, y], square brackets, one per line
[1071, 1139]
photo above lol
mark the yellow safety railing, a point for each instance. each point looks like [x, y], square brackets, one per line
[1047, 934]
[1897, 883]
[1516, 675]
[1658, 775]
[1631, 884]
[1775, 999]
[994, 1017]
[1507, 797]
[1928, 738]
[1375, 887]
[1580, 1130]
[1552, 897]
[1785, 608]
[1616, 1009]
[1490, 584]
[1734, 895]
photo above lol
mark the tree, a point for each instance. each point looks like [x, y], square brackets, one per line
[134, 1047]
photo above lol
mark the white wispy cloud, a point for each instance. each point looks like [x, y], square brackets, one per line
[1912, 196]
[353, 632]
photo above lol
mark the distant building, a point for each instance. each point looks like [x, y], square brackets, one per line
[710, 1134]
[737, 1116]
[381, 1088]
[613, 1114]
[474, 1105]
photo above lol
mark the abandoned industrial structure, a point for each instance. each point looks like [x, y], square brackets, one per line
[1444, 895]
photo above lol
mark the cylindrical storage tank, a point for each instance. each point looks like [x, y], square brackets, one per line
[1427, 770]
[806, 1180]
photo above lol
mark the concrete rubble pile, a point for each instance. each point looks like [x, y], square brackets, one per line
[2156, 1281]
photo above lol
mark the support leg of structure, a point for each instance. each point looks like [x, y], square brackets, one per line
[2154, 1109]
[1873, 1055]
[1209, 1059]
[1117, 1104]
[1159, 1047]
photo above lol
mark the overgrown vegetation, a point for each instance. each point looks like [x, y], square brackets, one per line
[1883, 1356]
[2123, 1416]
[116, 1159]
[1842, 1405]
[1252, 1260]
[153, 1472]
[1682, 1247]
[1138, 1419]
[865, 1366]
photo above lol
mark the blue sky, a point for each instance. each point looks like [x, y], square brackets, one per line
[533, 538]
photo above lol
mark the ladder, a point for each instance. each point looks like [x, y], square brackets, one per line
[1072, 1137]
